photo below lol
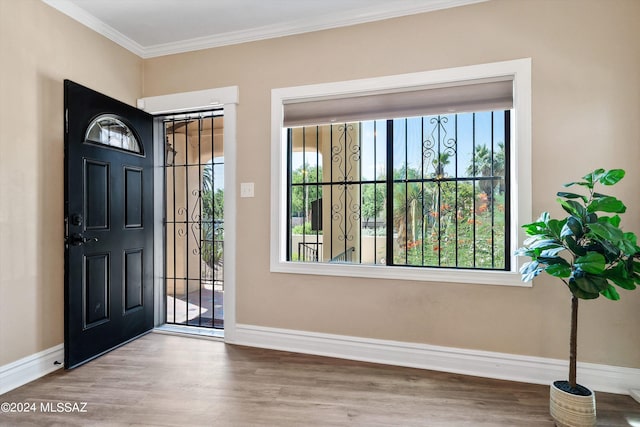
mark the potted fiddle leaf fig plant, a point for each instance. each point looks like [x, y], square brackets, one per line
[591, 255]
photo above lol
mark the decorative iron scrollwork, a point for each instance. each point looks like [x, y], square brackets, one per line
[345, 155]
[438, 147]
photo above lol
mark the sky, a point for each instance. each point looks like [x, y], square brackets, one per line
[419, 131]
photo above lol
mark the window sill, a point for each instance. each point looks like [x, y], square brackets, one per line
[478, 277]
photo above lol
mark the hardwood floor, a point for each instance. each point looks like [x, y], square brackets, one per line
[163, 380]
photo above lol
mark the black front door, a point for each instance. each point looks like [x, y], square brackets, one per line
[109, 223]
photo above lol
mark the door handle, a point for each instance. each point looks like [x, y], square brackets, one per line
[78, 239]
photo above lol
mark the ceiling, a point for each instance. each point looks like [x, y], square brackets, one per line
[152, 28]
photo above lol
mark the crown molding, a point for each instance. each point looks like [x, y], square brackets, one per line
[93, 23]
[311, 24]
[316, 23]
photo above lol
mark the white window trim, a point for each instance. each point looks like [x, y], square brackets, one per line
[520, 172]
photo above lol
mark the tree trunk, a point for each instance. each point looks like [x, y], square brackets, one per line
[573, 345]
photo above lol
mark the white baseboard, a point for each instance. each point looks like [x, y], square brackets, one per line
[512, 367]
[536, 370]
[30, 368]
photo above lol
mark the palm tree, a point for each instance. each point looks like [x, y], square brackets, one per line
[499, 165]
[439, 164]
[406, 214]
[207, 178]
[212, 219]
[487, 164]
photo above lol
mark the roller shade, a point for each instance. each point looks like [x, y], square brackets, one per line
[469, 97]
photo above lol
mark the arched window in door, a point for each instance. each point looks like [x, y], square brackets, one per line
[108, 130]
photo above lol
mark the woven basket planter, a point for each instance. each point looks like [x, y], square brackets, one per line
[571, 410]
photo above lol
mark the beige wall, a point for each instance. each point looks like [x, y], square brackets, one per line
[586, 104]
[39, 48]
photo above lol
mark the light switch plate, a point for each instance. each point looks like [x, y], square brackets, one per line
[246, 189]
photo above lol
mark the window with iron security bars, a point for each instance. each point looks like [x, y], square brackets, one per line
[430, 191]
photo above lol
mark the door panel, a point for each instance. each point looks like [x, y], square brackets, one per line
[96, 201]
[133, 197]
[133, 279]
[109, 223]
[96, 290]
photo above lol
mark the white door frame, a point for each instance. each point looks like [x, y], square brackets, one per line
[227, 98]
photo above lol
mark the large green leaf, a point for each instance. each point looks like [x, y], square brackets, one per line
[611, 177]
[575, 290]
[555, 227]
[591, 284]
[573, 208]
[531, 240]
[593, 176]
[606, 204]
[572, 227]
[628, 244]
[567, 195]
[544, 217]
[611, 293]
[620, 276]
[529, 270]
[535, 228]
[550, 260]
[529, 266]
[582, 183]
[543, 244]
[613, 220]
[592, 262]
[606, 231]
[628, 266]
[552, 252]
[611, 251]
[525, 251]
[558, 270]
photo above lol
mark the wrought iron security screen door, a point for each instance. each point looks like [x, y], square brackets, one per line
[194, 171]
[109, 223]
